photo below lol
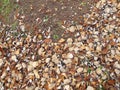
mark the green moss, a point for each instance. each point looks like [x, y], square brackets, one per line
[6, 6]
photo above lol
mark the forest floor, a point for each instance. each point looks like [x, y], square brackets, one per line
[60, 45]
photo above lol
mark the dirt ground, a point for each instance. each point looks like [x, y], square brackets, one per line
[52, 15]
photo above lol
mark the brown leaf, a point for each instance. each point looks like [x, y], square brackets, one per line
[117, 57]
[113, 1]
[104, 51]
[112, 43]
[111, 82]
[61, 40]
[47, 40]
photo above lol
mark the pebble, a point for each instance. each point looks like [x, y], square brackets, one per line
[80, 69]
[90, 88]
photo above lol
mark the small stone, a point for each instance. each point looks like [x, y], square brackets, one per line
[98, 71]
[90, 88]
[80, 69]
[72, 29]
[69, 55]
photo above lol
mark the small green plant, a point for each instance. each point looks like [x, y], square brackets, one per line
[83, 3]
[46, 18]
[55, 36]
[89, 70]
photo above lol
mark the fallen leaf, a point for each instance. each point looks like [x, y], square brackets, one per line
[47, 40]
[111, 82]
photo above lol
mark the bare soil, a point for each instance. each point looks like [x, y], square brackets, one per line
[53, 14]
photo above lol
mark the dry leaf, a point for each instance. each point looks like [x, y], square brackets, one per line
[117, 57]
[47, 40]
[104, 51]
[61, 40]
[111, 82]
